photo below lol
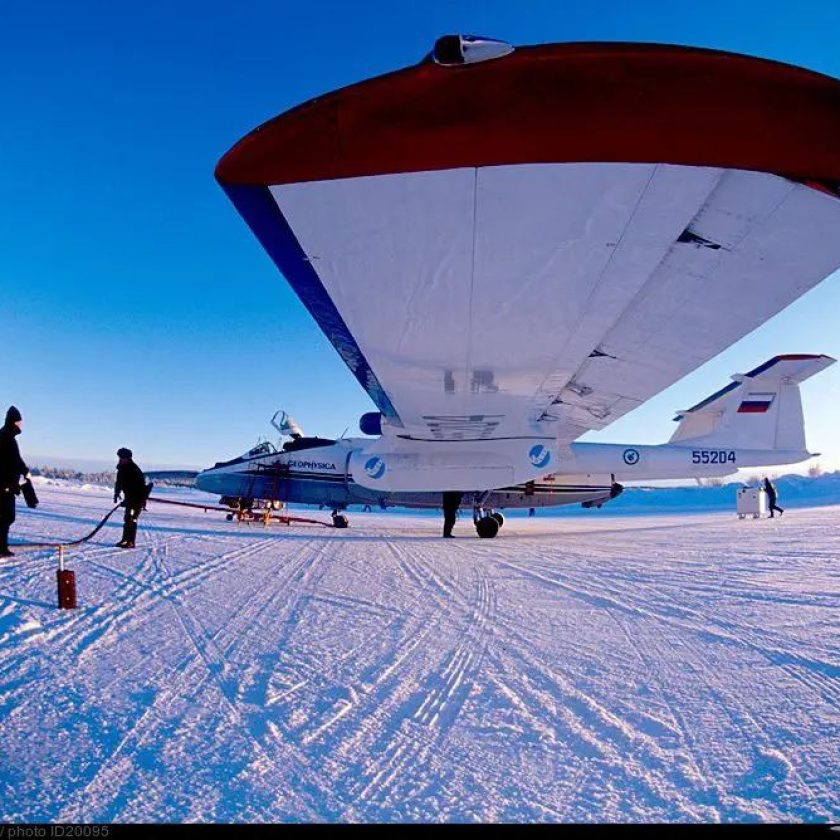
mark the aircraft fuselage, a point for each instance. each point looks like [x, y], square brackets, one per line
[318, 474]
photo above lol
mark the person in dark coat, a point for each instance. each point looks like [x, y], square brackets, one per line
[451, 503]
[772, 496]
[132, 484]
[12, 470]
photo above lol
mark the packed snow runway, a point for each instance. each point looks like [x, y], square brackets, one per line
[680, 668]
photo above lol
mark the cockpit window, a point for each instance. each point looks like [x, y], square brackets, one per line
[264, 448]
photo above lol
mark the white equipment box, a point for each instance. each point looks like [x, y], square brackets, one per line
[751, 501]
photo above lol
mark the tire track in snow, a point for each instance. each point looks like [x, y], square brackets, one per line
[710, 791]
[59, 629]
[277, 595]
[464, 660]
[598, 727]
[79, 632]
[680, 617]
[594, 731]
[819, 675]
[417, 729]
[187, 580]
[189, 670]
[755, 736]
[128, 605]
[359, 725]
[343, 730]
[825, 687]
[371, 692]
[289, 593]
[749, 634]
[205, 664]
[67, 624]
[402, 753]
[742, 719]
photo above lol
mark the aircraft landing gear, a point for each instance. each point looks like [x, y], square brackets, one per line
[240, 508]
[339, 520]
[487, 522]
[487, 527]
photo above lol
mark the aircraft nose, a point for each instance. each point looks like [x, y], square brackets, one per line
[205, 481]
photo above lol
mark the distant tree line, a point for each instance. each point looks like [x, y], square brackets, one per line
[106, 478]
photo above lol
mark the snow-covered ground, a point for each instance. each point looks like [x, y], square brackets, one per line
[676, 668]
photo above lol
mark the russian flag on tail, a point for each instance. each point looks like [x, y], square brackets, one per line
[756, 403]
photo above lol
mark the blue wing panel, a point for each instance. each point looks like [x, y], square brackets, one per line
[259, 209]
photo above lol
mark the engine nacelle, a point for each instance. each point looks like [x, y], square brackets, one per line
[371, 423]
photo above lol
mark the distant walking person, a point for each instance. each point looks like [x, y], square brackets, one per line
[12, 470]
[132, 484]
[772, 496]
[451, 503]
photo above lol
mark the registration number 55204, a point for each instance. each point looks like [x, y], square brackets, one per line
[712, 456]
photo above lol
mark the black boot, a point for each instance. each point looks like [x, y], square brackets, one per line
[126, 536]
[4, 542]
[130, 535]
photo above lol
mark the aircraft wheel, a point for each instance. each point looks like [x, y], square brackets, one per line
[340, 520]
[229, 517]
[487, 527]
[498, 517]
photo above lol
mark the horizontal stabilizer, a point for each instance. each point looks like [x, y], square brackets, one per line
[761, 409]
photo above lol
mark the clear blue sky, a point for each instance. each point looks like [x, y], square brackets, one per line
[136, 307]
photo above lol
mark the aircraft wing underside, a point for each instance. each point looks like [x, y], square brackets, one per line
[572, 290]
[488, 301]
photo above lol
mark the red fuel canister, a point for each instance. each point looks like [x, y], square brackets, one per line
[66, 589]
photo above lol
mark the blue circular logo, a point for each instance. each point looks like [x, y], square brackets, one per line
[539, 456]
[375, 467]
[631, 457]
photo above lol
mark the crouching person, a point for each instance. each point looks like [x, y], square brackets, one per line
[132, 484]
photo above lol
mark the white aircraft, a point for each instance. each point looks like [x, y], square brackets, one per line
[511, 247]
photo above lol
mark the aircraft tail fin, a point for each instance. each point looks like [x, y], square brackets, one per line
[761, 409]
